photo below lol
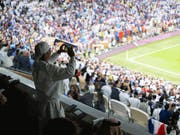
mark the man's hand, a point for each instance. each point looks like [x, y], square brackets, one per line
[70, 52]
[62, 48]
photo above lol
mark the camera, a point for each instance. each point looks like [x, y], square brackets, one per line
[65, 48]
[65, 43]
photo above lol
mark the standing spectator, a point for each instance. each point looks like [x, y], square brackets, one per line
[48, 79]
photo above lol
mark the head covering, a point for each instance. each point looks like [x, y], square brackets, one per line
[41, 48]
[109, 126]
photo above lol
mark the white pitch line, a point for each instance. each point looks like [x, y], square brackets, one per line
[157, 68]
[133, 58]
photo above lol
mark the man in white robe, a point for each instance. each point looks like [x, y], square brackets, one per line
[48, 79]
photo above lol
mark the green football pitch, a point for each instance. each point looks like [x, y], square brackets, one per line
[159, 59]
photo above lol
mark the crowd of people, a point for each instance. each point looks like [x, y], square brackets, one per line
[86, 23]
[23, 24]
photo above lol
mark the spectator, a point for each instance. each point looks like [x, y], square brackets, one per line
[134, 101]
[16, 60]
[100, 103]
[107, 127]
[106, 90]
[60, 126]
[87, 97]
[157, 110]
[24, 61]
[48, 79]
[74, 92]
[3, 99]
[144, 106]
[115, 90]
[124, 97]
[100, 78]
[164, 114]
[172, 109]
[173, 125]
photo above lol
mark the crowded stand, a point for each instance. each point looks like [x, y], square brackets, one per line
[95, 26]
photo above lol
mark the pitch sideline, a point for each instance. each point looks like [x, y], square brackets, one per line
[133, 60]
[157, 68]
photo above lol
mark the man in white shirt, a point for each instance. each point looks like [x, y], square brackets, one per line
[134, 101]
[124, 97]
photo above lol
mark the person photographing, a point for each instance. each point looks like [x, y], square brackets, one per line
[48, 79]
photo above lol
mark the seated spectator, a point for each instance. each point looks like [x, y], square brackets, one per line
[126, 85]
[87, 97]
[16, 59]
[100, 78]
[144, 105]
[100, 103]
[134, 101]
[24, 61]
[5, 60]
[74, 92]
[172, 108]
[60, 126]
[124, 97]
[164, 114]
[172, 128]
[115, 90]
[106, 89]
[107, 127]
[3, 99]
[157, 111]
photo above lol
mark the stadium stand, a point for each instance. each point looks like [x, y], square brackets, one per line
[104, 27]
[22, 114]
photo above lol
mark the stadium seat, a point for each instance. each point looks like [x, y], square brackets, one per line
[139, 116]
[107, 104]
[120, 109]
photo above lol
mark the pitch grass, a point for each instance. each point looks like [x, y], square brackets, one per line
[159, 59]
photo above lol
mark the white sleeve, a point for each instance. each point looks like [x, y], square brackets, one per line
[53, 58]
[58, 73]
